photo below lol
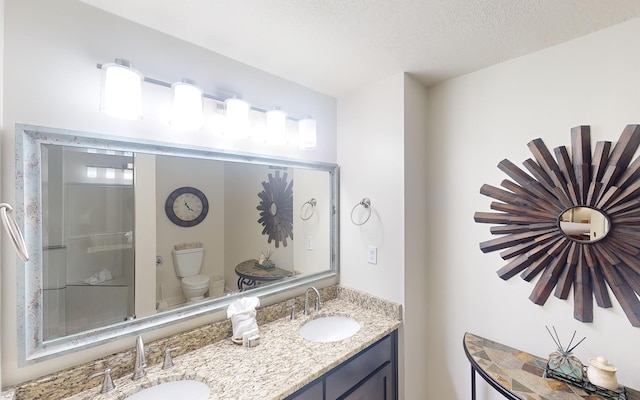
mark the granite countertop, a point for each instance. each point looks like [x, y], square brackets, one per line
[282, 363]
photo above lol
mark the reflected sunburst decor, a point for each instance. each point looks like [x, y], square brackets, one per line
[532, 207]
[276, 209]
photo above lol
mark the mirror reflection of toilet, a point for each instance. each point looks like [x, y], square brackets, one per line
[187, 263]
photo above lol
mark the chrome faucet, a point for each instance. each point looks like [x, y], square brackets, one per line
[140, 363]
[306, 300]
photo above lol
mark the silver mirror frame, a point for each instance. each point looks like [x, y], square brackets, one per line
[28, 140]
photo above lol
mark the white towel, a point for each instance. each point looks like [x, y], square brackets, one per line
[102, 276]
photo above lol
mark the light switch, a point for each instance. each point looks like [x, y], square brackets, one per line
[309, 243]
[372, 255]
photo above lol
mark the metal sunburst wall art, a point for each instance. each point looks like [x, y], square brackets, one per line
[276, 209]
[573, 220]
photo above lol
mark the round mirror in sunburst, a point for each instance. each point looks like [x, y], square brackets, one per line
[572, 220]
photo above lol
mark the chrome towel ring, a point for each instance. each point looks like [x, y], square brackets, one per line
[308, 209]
[366, 203]
[12, 229]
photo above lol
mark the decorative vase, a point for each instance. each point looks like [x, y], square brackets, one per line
[566, 364]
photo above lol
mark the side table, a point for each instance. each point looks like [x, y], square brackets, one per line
[519, 375]
[249, 275]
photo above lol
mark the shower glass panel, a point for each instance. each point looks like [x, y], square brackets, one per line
[88, 224]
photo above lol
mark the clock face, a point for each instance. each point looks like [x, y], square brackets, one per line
[186, 206]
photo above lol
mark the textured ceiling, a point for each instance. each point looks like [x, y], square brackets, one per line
[334, 46]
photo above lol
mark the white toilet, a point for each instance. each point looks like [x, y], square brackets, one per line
[187, 264]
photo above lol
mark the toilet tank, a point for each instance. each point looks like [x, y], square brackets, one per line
[187, 262]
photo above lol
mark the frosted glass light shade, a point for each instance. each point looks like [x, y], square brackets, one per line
[186, 106]
[276, 128]
[92, 172]
[237, 117]
[307, 133]
[121, 91]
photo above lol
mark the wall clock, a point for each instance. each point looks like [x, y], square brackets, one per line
[186, 206]
[574, 221]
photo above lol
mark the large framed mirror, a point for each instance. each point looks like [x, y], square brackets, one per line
[130, 235]
[573, 222]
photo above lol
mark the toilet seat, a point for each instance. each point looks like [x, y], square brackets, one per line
[196, 281]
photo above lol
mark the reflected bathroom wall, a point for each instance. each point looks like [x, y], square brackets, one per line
[208, 177]
[584, 224]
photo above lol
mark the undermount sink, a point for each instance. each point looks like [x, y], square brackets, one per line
[184, 389]
[330, 328]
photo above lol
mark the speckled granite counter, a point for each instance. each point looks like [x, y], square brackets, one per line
[280, 365]
[7, 395]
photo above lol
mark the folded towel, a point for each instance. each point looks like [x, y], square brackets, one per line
[102, 276]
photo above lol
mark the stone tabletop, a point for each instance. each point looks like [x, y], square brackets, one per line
[248, 269]
[521, 373]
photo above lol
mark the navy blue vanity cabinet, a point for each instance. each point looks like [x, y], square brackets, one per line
[371, 374]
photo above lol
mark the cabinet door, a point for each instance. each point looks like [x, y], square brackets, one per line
[349, 374]
[376, 387]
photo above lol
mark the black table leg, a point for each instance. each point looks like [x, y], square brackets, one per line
[473, 383]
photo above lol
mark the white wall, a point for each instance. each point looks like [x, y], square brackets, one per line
[417, 265]
[1, 124]
[477, 120]
[50, 54]
[371, 159]
[372, 136]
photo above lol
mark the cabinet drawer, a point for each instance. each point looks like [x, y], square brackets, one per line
[353, 371]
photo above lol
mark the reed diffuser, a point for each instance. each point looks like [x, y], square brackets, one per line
[562, 361]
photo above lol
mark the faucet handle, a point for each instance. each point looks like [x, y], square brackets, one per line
[292, 306]
[168, 362]
[107, 383]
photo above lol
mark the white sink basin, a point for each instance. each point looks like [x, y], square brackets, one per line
[185, 389]
[329, 329]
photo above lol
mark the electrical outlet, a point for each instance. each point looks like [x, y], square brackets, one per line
[372, 255]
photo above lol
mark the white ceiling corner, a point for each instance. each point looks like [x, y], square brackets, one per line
[334, 46]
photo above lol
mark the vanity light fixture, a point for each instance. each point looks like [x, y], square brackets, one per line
[121, 97]
[237, 117]
[307, 133]
[121, 94]
[186, 105]
[276, 127]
